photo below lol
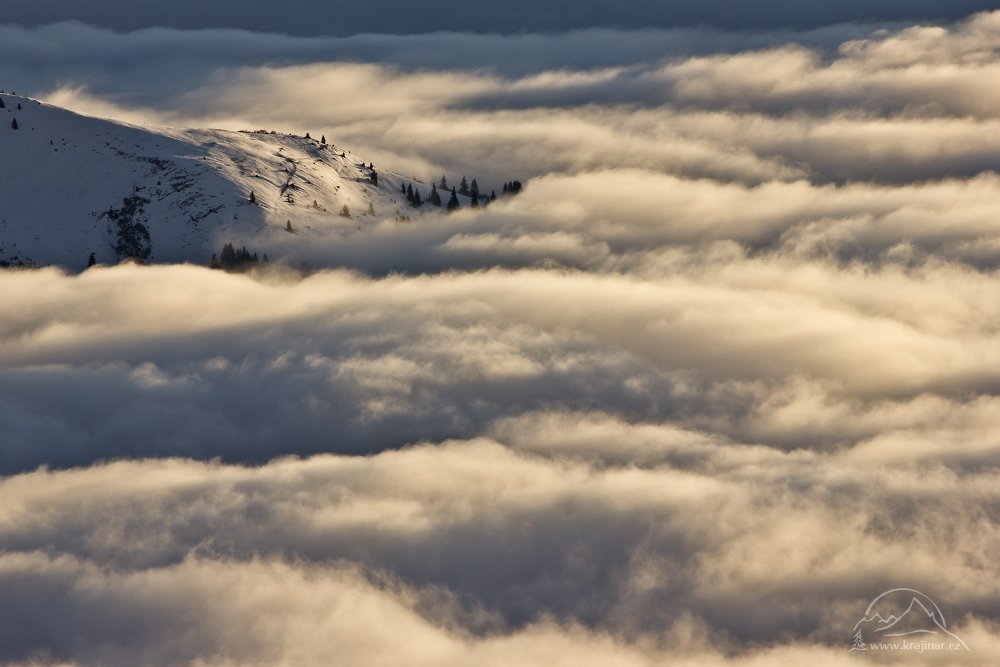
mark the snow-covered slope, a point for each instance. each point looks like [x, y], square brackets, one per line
[67, 181]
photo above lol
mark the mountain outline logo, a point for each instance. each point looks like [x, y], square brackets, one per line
[901, 619]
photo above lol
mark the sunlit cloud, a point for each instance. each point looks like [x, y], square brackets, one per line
[890, 105]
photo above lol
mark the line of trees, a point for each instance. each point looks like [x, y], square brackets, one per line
[512, 188]
[465, 188]
[237, 260]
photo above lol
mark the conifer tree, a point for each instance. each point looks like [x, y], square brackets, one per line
[463, 187]
[371, 208]
[2, 105]
[288, 226]
[322, 140]
[228, 255]
[474, 189]
[453, 204]
[444, 181]
[253, 197]
[435, 197]
[345, 212]
[13, 124]
[417, 201]
[409, 193]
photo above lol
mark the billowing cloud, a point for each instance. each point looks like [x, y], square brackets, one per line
[228, 366]
[474, 550]
[552, 455]
[856, 104]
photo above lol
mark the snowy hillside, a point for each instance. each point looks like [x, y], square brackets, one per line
[69, 185]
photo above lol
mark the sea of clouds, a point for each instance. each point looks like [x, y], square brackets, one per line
[727, 370]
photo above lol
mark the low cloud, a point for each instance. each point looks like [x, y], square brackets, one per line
[244, 369]
[888, 106]
[474, 550]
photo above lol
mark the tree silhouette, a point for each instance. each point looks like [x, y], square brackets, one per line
[232, 259]
[512, 188]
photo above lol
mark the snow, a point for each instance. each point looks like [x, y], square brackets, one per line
[61, 172]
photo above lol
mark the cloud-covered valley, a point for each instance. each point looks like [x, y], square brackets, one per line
[726, 370]
[502, 463]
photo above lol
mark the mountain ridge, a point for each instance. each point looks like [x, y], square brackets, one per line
[70, 183]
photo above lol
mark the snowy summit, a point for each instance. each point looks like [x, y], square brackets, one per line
[78, 190]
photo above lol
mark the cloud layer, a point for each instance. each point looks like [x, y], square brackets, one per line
[856, 103]
[591, 442]
[723, 373]
[312, 17]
